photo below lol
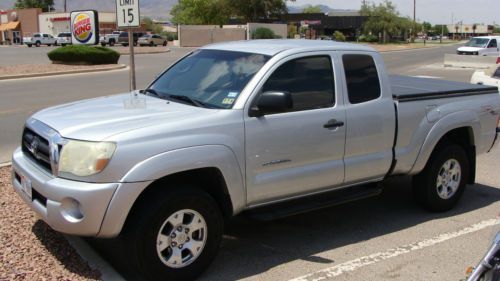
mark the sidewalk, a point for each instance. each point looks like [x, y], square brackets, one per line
[39, 70]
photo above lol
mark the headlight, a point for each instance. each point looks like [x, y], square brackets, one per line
[82, 158]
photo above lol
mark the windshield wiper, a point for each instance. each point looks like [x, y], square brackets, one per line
[151, 92]
[192, 101]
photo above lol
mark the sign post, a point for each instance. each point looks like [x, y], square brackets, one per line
[128, 16]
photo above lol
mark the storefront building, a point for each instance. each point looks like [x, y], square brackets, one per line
[16, 24]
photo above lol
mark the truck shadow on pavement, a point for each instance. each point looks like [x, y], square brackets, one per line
[60, 248]
[253, 247]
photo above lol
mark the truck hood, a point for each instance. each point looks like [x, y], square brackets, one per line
[469, 49]
[100, 118]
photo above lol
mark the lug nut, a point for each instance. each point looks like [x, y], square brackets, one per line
[172, 235]
[173, 244]
[180, 246]
[179, 228]
[186, 230]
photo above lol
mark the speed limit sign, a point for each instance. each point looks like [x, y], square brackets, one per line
[127, 13]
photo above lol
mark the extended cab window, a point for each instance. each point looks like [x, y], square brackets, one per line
[493, 43]
[309, 81]
[362, 78]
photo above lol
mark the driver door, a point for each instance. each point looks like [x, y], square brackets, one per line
[297, 152]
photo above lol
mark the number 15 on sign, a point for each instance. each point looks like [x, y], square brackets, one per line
[127, 13]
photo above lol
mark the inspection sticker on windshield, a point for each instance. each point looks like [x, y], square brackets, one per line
[232, 94]
[228, 101]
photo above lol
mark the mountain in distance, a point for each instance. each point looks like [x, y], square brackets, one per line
[159, 9]
[154, 8]
[298, 9]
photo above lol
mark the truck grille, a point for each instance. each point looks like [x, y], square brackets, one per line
[37, 148]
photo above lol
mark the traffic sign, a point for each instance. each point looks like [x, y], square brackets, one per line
[127, 13]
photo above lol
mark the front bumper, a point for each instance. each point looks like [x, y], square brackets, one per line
[67, 206]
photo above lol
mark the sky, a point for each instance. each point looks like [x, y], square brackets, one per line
[434, 11]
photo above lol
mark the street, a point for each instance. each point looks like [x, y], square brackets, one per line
[388, 237]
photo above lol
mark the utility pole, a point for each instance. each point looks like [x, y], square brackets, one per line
[65, 10]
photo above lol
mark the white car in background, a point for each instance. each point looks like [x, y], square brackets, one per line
[481, 46]
[39, 39]
[63, 39]
[490, 76]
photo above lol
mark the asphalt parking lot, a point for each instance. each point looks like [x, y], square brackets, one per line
[387, 237]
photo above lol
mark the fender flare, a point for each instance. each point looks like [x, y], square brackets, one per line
[439, 130]
[180, 160]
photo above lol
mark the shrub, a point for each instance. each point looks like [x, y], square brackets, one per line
[339, 36]
[263, 33]
[368, 38]
[84, 54]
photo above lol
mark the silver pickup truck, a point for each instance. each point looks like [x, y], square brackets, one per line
[268, 128]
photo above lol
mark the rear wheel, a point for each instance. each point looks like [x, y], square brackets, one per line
[111, 43]
[38, 43]
[165, 43]
[442, 182]
[151, 44]
[174, 235]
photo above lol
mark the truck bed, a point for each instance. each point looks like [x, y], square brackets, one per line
[406, 88]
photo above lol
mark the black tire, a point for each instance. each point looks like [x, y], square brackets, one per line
[29, 45]
[125, 45]
[64, 45]
[111, 43]
[103, 44]
[425, 185]
[145, 223]
[151, 44]
[48, 45]
[38, 44]
[164, 43]
[135, 43]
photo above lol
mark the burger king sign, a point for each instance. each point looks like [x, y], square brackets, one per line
[84, 27]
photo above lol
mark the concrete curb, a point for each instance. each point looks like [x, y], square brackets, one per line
[93, 259]
[5, 164]
[149, 53]
[55, 73]
[468, 61]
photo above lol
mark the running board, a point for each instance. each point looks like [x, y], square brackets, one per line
[314, 202]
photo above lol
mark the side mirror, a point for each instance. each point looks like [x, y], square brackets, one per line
[271, 102]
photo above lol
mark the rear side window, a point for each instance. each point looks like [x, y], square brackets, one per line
[493, 43]
[362, 78]
[309, 80]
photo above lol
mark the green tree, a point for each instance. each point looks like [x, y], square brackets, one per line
[441, 27]
[45, 5]
[201, 12]
[312, 9]
[255, 10]
[148, 23]
[384, 19]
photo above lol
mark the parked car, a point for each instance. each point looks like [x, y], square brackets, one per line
[152, 40]
[110, 39]
[123, 38]
[63, 39]
[481, 46]
[490, 76]
[39, 39]
[269, 128]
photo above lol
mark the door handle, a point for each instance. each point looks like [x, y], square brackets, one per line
[333, 123]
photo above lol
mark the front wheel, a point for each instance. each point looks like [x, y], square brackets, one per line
[442, 182]
[174, 235]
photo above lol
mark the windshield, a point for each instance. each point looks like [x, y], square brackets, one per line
[477, 42]
[212, 77]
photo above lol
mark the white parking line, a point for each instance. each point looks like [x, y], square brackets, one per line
[355, 264]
